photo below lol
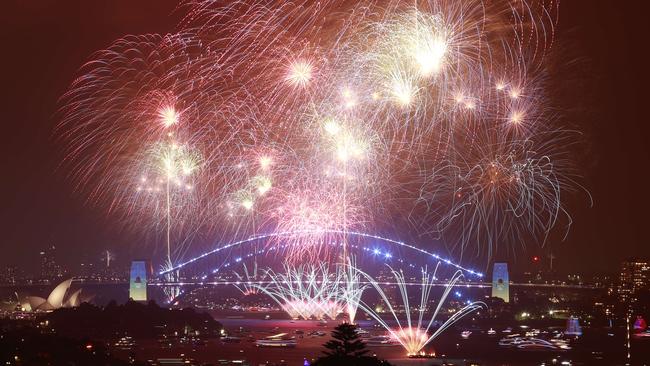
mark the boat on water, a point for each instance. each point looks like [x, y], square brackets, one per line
[278, 340]
[230, 339]
[511, 341]
[561, 343]
[465, 334]
[536, 344]
[491, 331]
[533, 344]
[125, 343]
[381, 341]
[645, 334]
[422, 354]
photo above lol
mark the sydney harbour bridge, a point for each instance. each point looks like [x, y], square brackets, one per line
[216, 267]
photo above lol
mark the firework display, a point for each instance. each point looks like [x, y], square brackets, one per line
[319, 118]
[309, 124]
[310, 291]
[415, 327]
[305, 291]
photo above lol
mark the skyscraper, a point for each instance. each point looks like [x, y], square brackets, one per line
[8, 275]
[49, 268]
[635, 276]
[500, 282]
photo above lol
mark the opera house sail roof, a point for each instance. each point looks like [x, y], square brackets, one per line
[58, 298]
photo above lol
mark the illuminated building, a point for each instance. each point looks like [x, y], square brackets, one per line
[49, 268]
[500, 282]
[8, 275]
[635, 276]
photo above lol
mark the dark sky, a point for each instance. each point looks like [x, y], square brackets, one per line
[603, 91]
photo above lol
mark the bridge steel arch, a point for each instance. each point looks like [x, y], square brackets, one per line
[253, 239]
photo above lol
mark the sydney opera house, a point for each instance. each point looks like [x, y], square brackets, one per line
[58, 298]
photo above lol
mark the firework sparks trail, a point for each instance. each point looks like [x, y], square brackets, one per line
[313, 291]
[305, 291]
[415, 333]
[248, 281]
[351, 288]
[327, 116]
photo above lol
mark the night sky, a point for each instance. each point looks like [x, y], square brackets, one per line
[601, 89]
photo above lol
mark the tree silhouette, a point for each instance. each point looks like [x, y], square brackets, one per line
[346, 342]
[135, 319]
[347, 348]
